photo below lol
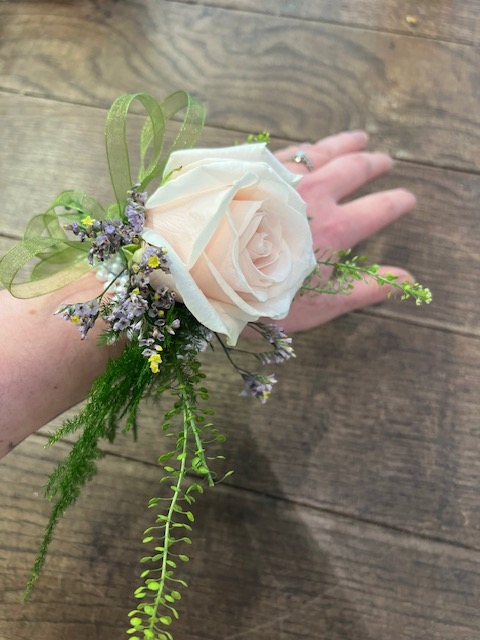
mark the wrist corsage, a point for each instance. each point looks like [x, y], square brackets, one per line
[223, 243]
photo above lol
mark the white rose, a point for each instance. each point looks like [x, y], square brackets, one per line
[237, 235]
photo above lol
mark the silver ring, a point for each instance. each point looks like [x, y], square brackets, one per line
[301, 158]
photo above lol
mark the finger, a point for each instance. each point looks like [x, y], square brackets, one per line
[344, 175]
[367, 293]
[356, 221]
[324, 150]
[308, 312]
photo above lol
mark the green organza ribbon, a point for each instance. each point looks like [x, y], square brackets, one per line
[47, 258]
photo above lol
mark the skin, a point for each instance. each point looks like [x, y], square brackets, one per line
[342, 167]
[38, 381]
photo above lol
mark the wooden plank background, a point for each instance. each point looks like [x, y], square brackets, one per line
[353, 512]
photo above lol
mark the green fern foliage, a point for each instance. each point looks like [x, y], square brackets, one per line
[114, 396]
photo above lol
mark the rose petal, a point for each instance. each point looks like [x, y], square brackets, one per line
[236, 232]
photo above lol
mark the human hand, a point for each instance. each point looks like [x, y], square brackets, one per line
[340, 167]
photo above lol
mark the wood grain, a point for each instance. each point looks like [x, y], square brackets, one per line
[313, 79]
[303, 574]
[441, 20]
[353, 512]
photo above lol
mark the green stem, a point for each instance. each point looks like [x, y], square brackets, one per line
[112, 282]
[227, 353]
[350, 267]
[176, 493]
[365, 270]
[189, 418]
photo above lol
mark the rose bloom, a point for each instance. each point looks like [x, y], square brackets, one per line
[237, 235]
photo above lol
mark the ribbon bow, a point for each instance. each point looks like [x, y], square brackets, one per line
[60, 260]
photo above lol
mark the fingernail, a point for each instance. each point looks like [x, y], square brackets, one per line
[406, 276]
[359, 135]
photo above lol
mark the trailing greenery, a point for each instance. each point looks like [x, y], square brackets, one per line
[347, 271]
[186, 472]
[114, 395]
[113, 401]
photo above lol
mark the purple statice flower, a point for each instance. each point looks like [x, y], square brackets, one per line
[75, 228]
[258, 385]
[153, 336]
[281, 343]
[108, 236]
[161, 300]
[172, 327]
[135, 219]
[126, 311]
[140, 309]
[137, 307]
[83, 315]
[153, 258]
[106, 243]
[135, 209]
[139, 278]
[146, 343]
[110, 228]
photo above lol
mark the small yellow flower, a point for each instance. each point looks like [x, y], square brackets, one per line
[154, 262]
[75, 319]
[88, 221]
[154, 360]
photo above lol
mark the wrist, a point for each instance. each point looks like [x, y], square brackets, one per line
[44, 359]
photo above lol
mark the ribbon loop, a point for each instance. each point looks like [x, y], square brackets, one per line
[57, 259]
[151, 140]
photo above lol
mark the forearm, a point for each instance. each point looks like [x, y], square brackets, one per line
[45, 368]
